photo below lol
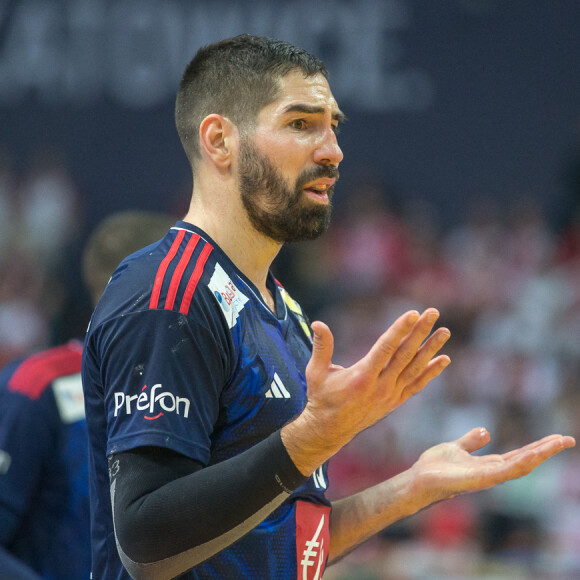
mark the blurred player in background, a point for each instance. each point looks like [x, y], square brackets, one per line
[215, 401]
[44, 490]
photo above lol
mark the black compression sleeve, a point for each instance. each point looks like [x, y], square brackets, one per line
[167, 507]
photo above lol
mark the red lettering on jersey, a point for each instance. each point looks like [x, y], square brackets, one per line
[312, 539]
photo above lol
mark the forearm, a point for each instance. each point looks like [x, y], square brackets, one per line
[443, 471]
[356, 518]
[197, 514]
[308, 447]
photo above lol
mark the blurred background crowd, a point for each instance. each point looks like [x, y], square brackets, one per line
[507, 283]
[499, 255]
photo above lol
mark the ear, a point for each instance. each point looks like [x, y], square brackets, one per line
[217, 136]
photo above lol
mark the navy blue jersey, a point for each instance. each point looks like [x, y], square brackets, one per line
[182, 353]
[44, 489]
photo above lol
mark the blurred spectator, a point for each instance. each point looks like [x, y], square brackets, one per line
[509, 289]
[367, 245]
[44, 503]
[40, 218]
[23, 323]
[507, 285]
[49, 207]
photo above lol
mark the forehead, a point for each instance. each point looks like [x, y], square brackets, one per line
[297, 92]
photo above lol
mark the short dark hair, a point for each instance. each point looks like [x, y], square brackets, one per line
[115, 238]
[235, 77]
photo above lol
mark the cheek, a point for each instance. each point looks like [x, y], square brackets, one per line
[289, 156]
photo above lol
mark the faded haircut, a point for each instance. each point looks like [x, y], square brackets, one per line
[235, 77]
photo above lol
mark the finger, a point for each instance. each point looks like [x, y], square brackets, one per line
[423, 357]
[523, 461]
[433, 369]
[411, 344]
[389, 341]
[474, 439]
[543, 446]
[322, 350]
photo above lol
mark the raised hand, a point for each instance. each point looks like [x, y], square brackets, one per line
[344, 401]
[450, 469]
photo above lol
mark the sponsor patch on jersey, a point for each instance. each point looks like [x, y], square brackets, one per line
[230, 298]
[152, 402]
[312, 539]
[68, 393]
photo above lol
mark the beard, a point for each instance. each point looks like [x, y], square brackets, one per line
[275, 210]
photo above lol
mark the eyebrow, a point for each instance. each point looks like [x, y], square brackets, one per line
[314, 110]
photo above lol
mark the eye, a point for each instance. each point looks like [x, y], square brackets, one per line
[336, 129]
[298, 124]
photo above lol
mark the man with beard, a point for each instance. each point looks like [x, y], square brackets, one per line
[214, 401]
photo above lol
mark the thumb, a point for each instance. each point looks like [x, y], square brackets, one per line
[474, 439]
[322, 348]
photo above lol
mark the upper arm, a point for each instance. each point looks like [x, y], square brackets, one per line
[162, 376]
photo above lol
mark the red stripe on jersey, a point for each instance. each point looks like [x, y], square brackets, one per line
[178, 274]
[38, 371]
[194, 279]
[154, 302]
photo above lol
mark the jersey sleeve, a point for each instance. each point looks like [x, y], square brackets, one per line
[162, 375]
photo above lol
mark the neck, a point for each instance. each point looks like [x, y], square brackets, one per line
[228, 224]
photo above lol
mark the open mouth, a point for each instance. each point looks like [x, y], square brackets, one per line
[320, 190]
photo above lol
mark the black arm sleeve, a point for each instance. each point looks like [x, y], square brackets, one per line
[171, 514]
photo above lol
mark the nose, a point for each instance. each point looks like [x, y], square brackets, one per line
[328, 152]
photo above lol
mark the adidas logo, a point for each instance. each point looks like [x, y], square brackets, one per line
[277, 389]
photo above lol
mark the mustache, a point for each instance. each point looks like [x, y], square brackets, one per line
[328, 171]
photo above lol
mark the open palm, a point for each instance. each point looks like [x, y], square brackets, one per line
[450, 469]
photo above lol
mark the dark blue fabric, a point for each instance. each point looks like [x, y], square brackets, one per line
[208, 383]
[44, 503]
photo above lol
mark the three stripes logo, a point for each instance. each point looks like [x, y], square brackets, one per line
[277, 389]
[178, 274]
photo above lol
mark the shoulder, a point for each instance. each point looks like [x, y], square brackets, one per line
[165, 276]
[34, 374]
[188, 257]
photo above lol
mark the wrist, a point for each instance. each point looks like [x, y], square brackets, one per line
[425, 488]
[306, 444]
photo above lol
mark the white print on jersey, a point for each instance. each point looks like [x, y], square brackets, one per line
[5, 461]
[318, 477]
[310, 553]
[228, 295]
[68, 393]
[277, 389]
[153, 402]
